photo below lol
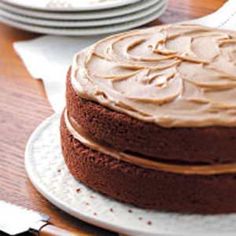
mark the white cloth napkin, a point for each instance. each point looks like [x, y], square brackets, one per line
[48, 57]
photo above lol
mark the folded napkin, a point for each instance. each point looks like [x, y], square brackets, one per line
[48, 57]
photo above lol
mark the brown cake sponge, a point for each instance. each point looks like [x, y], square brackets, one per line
[147, 188]
[182, 145]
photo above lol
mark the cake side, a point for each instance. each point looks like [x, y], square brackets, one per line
[152, 189]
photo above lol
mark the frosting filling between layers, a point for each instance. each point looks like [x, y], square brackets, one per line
[81, 135]
[174, 75]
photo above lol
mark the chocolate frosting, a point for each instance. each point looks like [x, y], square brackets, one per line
[174, 75]
[81, 135]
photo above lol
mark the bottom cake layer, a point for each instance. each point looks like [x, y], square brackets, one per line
[146, 188]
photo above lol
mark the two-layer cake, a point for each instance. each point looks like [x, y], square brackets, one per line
[151, 118]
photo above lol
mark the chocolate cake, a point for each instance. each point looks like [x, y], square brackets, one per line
[150, 118]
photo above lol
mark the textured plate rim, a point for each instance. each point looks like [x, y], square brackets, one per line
[74, 24]
[81, 16]
[87, 31]
[89, 7]
[57, 202]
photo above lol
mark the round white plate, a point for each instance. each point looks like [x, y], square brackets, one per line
[70, 5]
[85, 31]
[46, 169]
[141, 5]
[85, 23]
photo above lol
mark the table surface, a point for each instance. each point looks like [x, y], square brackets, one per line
[23, 105]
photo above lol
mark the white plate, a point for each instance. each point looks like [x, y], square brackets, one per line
[47, 171]
[85, 31]
[141, 5]
[87, 23]
[70, 5]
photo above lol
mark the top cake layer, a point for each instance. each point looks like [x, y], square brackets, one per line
[174, 75]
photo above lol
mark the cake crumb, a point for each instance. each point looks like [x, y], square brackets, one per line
[95, 213]
[91, 196]
[140, 218]
[78, 190]
[149, 222]
[111, 210]
[59, 170]
[86, 203]
[130, 211]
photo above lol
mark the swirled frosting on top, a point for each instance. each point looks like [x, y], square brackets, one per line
[174, 75]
